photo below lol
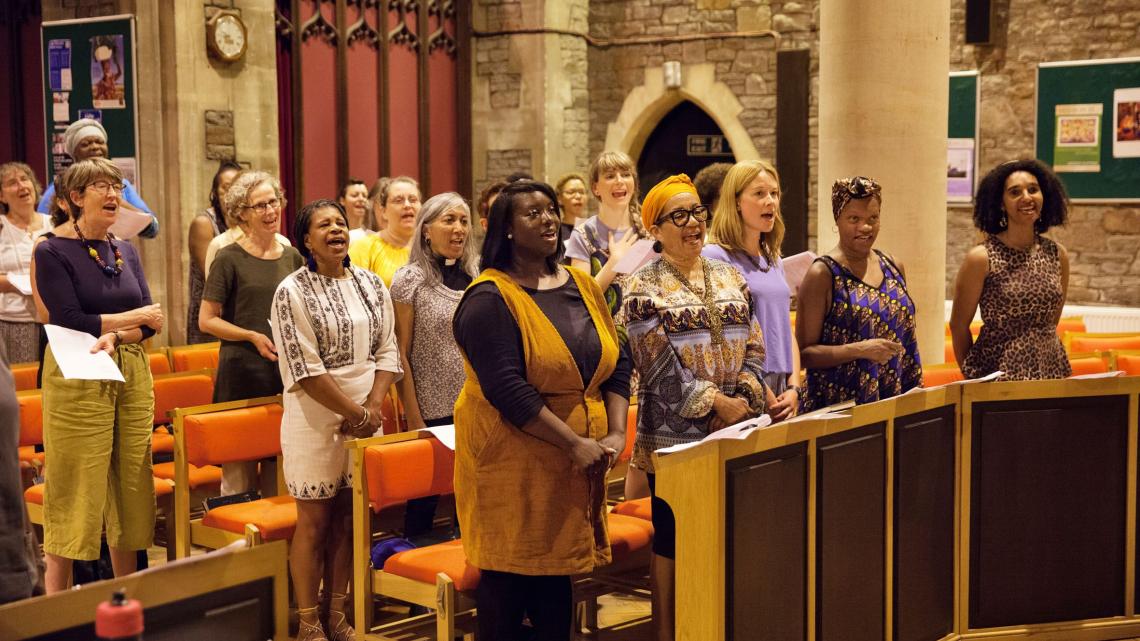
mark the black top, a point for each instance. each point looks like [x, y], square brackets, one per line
[488, 334]
[453, 276]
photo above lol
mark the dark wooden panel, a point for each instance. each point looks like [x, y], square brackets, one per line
[766, 591]
[851, 535]
[924, 525]
[1047, 510]
[793, 76]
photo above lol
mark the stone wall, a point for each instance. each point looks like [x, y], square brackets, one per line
[1103, 240]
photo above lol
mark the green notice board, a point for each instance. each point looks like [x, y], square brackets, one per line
[89, 71]
[962, 137]
[1088, 127]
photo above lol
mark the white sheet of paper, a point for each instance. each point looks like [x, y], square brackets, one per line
[736, 431]
[1112, 374]
[796, 267]
[641, 253]
[445, 434]
[22, 282]
[129, 223]
[72, 351]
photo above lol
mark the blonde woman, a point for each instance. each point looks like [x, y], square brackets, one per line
[747, 230]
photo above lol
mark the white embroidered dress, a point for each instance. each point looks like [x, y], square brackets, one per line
[341, 327]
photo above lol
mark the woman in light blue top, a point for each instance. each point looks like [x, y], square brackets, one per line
[746, 232]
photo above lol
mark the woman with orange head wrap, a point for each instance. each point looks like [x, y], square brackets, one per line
[698, 347]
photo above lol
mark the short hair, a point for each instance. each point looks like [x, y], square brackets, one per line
[215, 202]
[378, 188]
[369, 221]
[708, 182]
[83, 173]
[237, 197]
[421, 252]
[727, 222]
[19, 166]
[619, 160]
[489, 192]
[498, 250]
[517, 176]
[305, 218]
[565, 178]
[398, 179]
[989, 212]
[59, 215]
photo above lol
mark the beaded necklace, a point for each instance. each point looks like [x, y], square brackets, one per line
[108, 271]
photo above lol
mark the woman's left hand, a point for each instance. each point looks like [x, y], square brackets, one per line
[785, 406]
[106, 343]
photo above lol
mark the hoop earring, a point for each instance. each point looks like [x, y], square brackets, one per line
[1003, 222]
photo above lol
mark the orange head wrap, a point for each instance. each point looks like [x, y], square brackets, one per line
[661, 193]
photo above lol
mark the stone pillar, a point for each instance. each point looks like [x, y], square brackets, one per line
[532, 86]
[883, 107]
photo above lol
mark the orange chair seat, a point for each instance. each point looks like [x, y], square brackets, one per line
[159, 363]
[1088, 365]
[205, 476]
[422, 564]
[628, 534]
[24, 375]
[935, 376]
[639, 508]
[28, 454]
[1080, 344]
[1128, 363]
[161, 442]
[35, 493]
[275, 517]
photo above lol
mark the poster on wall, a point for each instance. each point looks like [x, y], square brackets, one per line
[1077, 148]
[108, 89]
[1126, 123]
[59, 64]
[960, 170]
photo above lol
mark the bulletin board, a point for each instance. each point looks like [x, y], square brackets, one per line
[89, 72]
[1088, 127]
[962, 137]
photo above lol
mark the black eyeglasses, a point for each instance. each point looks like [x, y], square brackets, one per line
[861, 187]
[680, 217]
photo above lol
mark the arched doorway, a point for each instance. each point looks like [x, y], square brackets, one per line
[685, 141]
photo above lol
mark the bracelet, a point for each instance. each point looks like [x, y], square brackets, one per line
[797, 388]
[367, 415]
[118, 338]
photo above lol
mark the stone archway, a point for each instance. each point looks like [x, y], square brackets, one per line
[648, 103]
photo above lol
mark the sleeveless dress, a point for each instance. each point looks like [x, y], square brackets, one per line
[1021, 301]
[860, 312]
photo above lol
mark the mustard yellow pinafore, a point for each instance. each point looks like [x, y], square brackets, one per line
[522, 506]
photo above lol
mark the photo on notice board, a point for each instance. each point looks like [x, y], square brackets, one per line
[1126, 123]
[960, 170]
[1077, 148]
[108, 90]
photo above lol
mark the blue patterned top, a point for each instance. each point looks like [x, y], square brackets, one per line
[860, 312]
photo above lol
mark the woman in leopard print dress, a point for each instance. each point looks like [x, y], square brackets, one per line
[1018, 276]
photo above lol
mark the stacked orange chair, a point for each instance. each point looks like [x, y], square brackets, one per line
[248, 430]
[159, 362]
[173, 391]
[1081, 342]
[24, 375]
[1089, 363]
[186, 358]
[1127, 361]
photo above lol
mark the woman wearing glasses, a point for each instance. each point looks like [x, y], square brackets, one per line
[855, 322]
[237, 298]
[698, 348]
[539, 420]
[388, 250]
[97, 433]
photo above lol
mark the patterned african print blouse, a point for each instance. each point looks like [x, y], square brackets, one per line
[861, 312]
[685, 355]
[1021, 301]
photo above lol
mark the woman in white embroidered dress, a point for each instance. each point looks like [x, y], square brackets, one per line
[336, 346]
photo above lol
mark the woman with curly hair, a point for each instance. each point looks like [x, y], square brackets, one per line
[1017, 276]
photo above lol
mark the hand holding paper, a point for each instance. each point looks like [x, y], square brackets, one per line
[74, 352]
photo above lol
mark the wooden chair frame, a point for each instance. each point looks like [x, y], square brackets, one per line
[189, 531]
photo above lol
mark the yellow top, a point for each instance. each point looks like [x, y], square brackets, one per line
[378, 256]
[523, 507]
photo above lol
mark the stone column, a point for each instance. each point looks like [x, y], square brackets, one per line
[532, 86]
[883, 107]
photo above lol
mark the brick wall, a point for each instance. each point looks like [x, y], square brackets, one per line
[1103, 240]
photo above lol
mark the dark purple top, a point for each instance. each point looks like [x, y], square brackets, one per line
[76, 291]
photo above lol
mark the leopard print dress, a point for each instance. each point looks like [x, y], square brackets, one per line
[1021, 301]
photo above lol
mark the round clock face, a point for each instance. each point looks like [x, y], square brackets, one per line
[229, 37]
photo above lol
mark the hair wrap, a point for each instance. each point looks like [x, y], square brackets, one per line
[79, 130]
[661, 193]
[845, 190]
